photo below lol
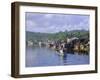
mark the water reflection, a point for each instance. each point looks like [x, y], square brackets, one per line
[64, 59]
[41, 56]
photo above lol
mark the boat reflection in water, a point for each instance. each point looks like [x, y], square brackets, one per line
[43, 56]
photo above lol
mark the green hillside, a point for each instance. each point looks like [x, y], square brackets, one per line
[36, 36]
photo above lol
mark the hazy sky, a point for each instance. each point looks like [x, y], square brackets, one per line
[51, 23]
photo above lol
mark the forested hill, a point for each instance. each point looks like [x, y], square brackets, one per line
[57, 36]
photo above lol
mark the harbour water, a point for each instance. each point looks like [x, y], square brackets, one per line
[42, 56]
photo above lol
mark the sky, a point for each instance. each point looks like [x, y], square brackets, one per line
[53, 23]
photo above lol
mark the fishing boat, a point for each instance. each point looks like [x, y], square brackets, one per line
[61, 52]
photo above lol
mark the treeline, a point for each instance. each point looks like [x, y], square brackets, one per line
[37, 36]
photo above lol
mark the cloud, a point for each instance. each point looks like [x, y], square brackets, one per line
[51, 23]
[30, 25]
[48, 16]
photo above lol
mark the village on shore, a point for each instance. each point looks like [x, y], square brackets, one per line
[73, 44]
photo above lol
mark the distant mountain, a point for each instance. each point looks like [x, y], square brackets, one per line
[37, 36]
